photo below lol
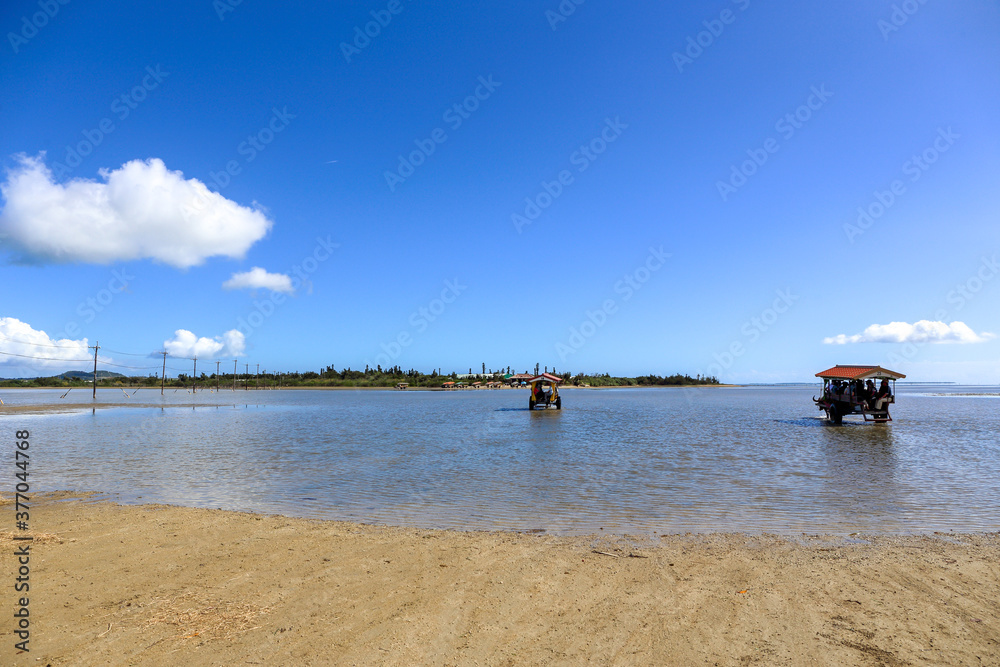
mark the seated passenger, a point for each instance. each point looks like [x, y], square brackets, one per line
[883, 396]
[861, 391]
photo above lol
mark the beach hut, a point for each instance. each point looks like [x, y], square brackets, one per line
[851, 390]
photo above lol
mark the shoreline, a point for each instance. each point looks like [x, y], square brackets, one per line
[828, 534]
[561, 388]
[52, 408]
[121, 584]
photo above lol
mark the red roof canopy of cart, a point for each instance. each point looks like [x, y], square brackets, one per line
[859, 373]
[546, 376]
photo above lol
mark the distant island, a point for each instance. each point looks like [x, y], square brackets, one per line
[88, 376]
[369, 377]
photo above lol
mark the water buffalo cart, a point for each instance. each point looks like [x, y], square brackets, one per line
[544, 392]
[857, 390]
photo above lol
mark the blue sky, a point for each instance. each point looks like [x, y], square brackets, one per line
[629, 189]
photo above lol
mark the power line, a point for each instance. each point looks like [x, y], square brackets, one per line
[131, 354]
[147, 354]
[100, 361]
[108, 363]
[28, 356]
[26, 342]
[76, 347]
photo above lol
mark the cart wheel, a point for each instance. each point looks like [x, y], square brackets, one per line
[531, 404]
[559, 403]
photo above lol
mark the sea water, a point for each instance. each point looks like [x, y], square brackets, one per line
[665, 460]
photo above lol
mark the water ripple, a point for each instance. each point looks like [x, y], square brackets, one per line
[664, 460]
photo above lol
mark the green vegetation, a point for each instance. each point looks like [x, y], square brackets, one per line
[390, 377]
[330, 377]
[674, 380]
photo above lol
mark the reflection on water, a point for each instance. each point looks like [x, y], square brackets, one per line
[636, 460]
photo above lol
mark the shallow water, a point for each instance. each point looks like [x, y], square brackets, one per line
[625, 460]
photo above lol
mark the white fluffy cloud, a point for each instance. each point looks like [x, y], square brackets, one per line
[141, 210]
[924, 331]
[19, 342]
[186, 344]
[257, 278]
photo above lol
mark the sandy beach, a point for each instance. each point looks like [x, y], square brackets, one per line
[160, 585]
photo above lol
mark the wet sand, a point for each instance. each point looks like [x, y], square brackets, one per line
[158, 585]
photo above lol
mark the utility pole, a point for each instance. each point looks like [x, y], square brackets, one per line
[246, 374]
[256, 379]
[234, 373]
[217, 376]
[194, 377]
[164, 372]
[96, 346]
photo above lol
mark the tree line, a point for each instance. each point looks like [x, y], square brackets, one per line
[369, 377]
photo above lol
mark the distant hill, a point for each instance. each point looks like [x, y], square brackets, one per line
[89, 375]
